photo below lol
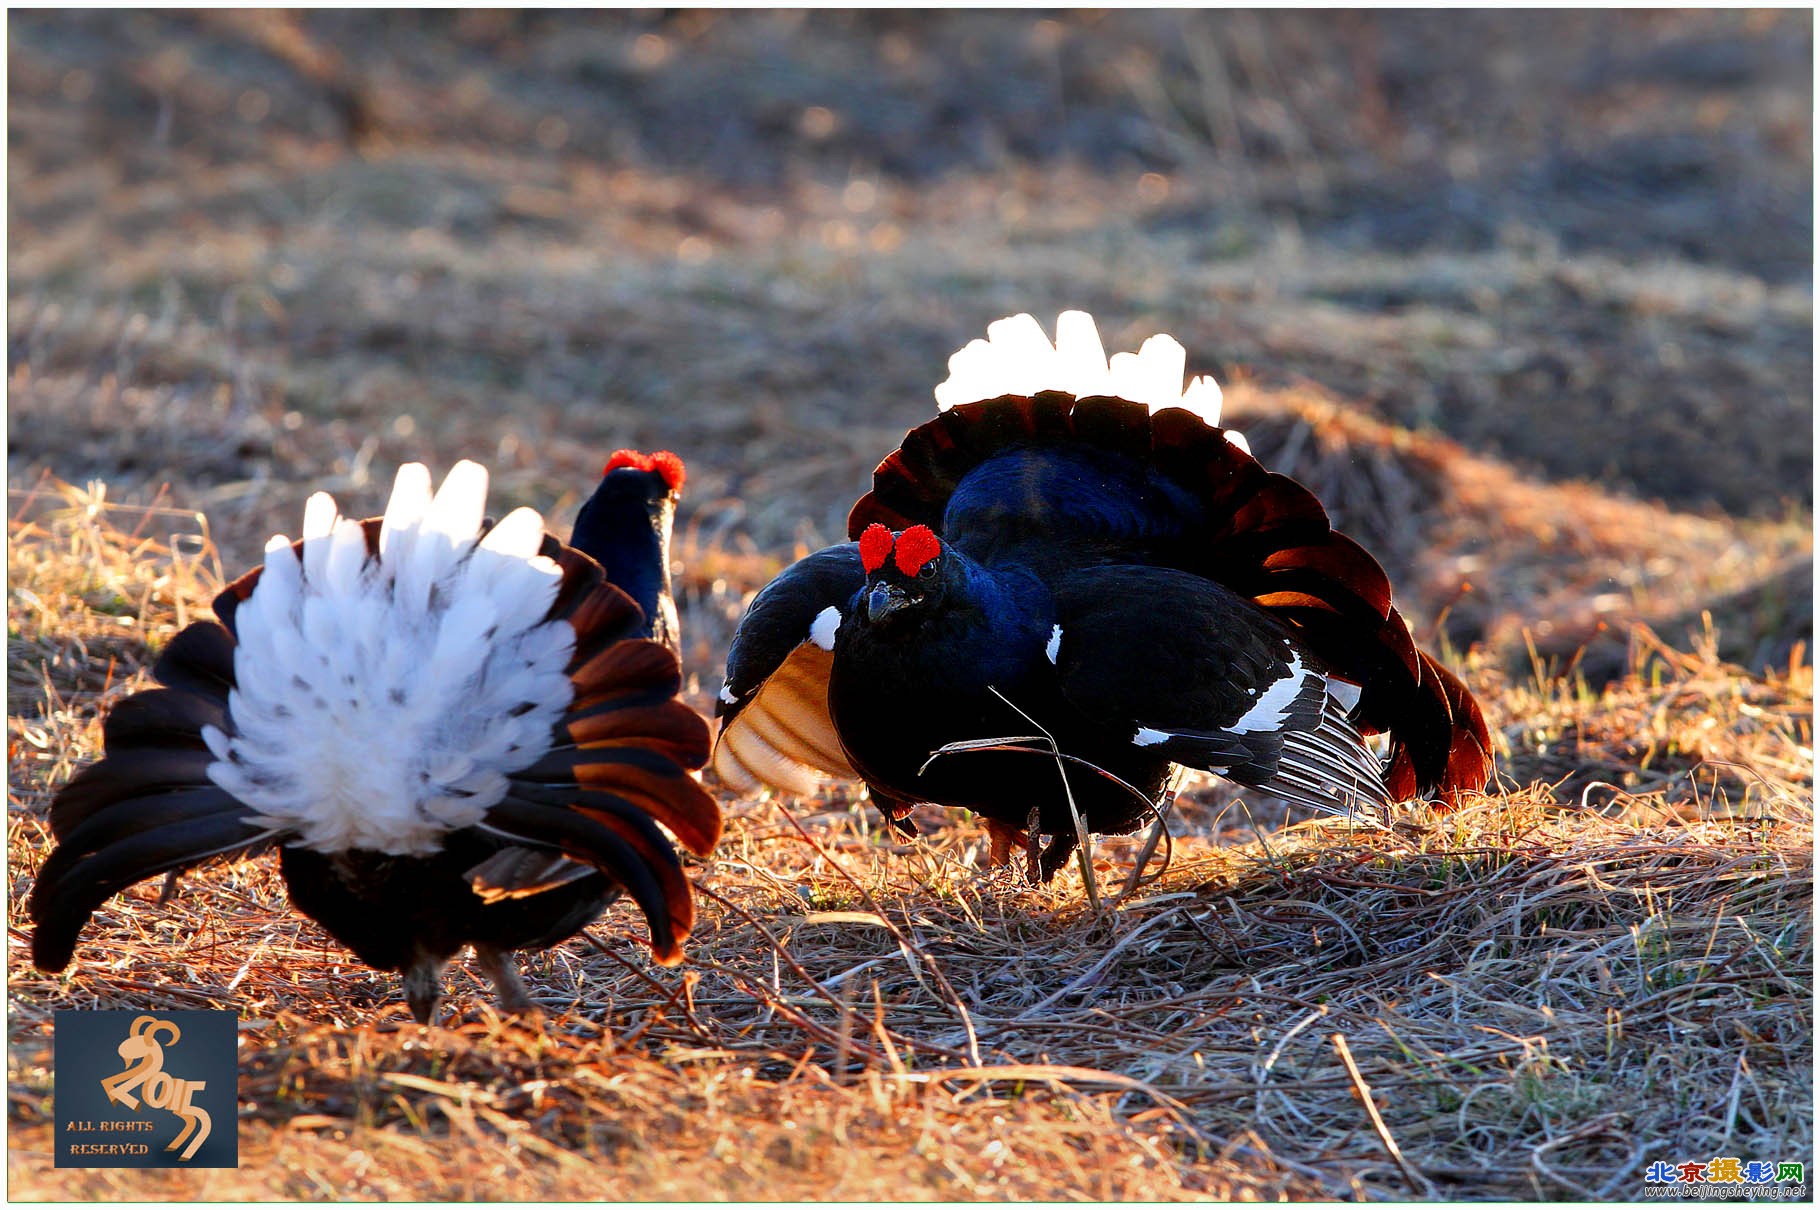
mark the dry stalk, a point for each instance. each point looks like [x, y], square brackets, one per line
[1417, 1181]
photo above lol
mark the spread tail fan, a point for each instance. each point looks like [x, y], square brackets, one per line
[615, 762]
[619, 763]
[1452, 752]
[379, 684]
[148, 807]
[1207, 507]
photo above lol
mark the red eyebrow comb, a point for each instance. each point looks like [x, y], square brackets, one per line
[874, 547]
[663, 462]
[915, 547]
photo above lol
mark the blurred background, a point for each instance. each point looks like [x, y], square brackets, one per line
[1527, 295]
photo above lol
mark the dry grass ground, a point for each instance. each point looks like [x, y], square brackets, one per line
[1561, 384]
[1607, 962]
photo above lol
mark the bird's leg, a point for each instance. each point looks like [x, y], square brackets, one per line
[1002, 838]
[501, 971]
[1042, 861]
[1058, 851]
[423, 987]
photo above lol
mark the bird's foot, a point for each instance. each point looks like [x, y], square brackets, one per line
[423, 987]
[501, 970]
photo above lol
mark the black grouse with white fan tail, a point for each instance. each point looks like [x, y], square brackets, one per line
[456, 734]
[1073, 571]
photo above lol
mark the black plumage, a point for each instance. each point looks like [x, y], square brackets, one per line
[625, 527]
[1128, 581]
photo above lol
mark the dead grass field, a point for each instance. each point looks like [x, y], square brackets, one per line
[1545, 348]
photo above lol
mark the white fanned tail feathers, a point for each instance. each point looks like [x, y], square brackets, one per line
[1017, 358]
[381, 700]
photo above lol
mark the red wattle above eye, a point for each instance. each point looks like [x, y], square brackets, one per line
[874, 546]
[915, 547]
[664, 463]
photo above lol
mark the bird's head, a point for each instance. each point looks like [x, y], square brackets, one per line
[634, 488]
[625, 525]
[652, 478]
[904, 572]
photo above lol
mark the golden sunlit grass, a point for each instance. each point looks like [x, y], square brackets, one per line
[1609, 962]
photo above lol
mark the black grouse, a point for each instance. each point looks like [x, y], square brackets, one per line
[1073, 558]
[625, 527]
[456, 733]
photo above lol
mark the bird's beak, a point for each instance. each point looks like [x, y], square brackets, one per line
[884, 600]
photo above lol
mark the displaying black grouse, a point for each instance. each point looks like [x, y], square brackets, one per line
[456, 734]
[1074, 553]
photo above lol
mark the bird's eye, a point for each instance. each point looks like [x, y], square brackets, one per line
[927, 571]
